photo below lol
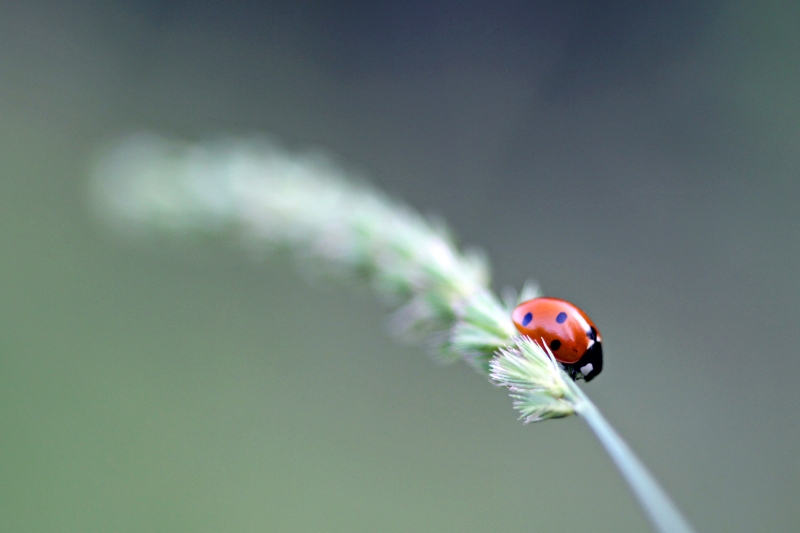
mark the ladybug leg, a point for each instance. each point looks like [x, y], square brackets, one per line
[570, 370]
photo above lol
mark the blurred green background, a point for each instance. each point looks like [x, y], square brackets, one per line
[640, 159]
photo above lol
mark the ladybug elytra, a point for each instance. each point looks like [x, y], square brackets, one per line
[567, 331]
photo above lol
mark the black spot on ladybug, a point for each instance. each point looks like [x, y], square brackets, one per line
[592, 334]
[555, 345]
[562, 317]
[527, 319]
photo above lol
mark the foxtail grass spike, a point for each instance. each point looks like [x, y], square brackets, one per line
[269, 198]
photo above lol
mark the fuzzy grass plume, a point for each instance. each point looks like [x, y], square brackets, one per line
[269, 198]
[441, 296]
[537, 385]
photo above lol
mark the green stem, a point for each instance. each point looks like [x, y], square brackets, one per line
[663, 514]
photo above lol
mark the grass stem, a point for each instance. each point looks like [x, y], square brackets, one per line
[662, 513]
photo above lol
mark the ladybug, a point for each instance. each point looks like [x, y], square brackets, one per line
[570, 334]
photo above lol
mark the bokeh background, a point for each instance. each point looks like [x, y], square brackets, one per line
[638, 158]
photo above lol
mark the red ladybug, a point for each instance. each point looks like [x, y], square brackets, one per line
[570, 334]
